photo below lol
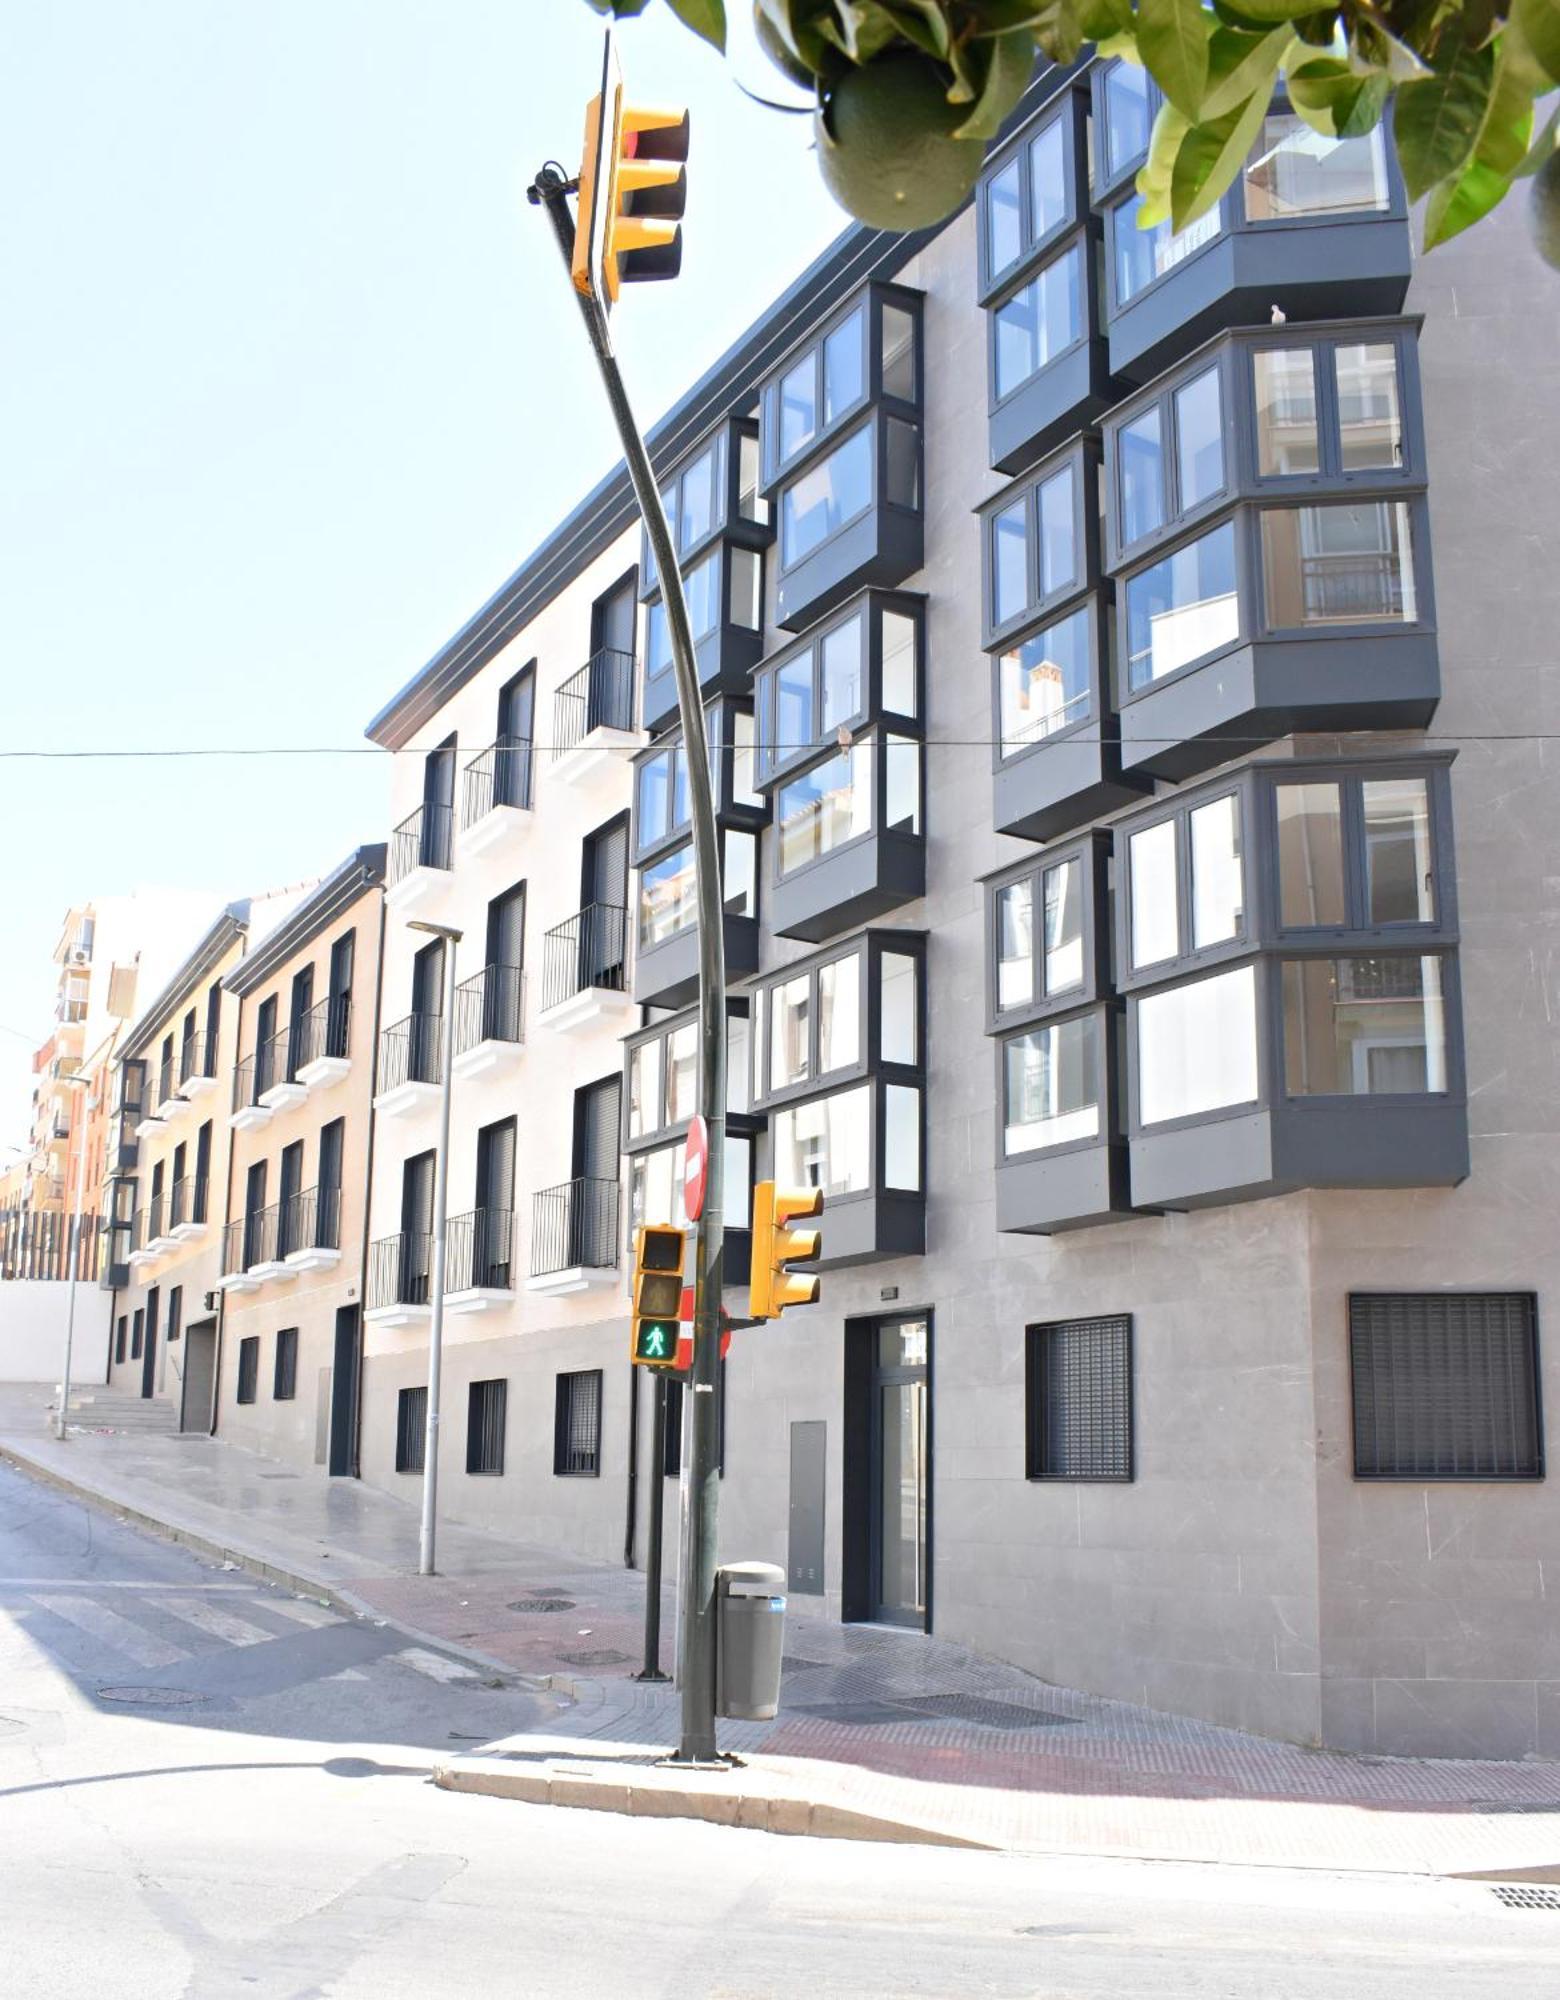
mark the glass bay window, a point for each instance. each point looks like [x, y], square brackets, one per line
[661, 1097]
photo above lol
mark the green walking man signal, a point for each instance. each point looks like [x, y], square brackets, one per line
[658, 1289]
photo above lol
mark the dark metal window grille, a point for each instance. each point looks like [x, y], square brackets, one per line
[411, 1423]
[486, 1408]
[248, 1367]
[577, 1427]
[284, 1383]
[1446, 1385]
[175, 1313]
[1078, 1394]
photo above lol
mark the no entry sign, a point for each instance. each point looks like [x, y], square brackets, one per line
[696, 1169]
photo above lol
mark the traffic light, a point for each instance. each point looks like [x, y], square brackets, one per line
[658, 1289]
[633, 189]
[776, 1246]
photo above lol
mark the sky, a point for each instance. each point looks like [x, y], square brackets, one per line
[290, 380]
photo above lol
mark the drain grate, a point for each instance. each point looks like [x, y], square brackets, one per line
[151, 1697]
[542, 1604]
[603, 1656]
[1526, 1896]
[859, 1713]
[988, 1713]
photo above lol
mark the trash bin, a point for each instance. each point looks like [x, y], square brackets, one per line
[749, 1638]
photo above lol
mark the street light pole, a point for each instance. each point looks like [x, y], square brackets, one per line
[441, 1202]
[75, 1083]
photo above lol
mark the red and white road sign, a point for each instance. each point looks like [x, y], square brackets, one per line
[696, 1168]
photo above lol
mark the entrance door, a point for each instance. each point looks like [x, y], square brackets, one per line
[200, 1367]
[343, 1393]
[901, 1473]
[149, 1353]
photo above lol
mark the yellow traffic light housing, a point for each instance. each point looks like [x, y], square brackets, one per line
[633, 190]
[772, 1286]
[658, 1290]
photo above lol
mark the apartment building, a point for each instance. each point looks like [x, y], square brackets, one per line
[1135, 850]
[293, 1240]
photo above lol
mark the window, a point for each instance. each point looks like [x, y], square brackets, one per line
[826, 1143]
[137, 1333]
[121, 1332]
[1295, 170]
[1036, 964]
[829, 381]
[1034, 551]
[486, 1409]
[248, 1367]
[825, 807]
[1182, 608]
[1310, 854]
[1155, 922]
[1129, 101]
[411, 1429]
[1445, 1385]
[1217, 883]
[175, 1314]
[644, 1089]
[1357, 1027]
[1352, 423]
[827, 497]
[1051, 1086]
[1078, 1399]
[1345, 563]
[577, 1425]
[284, 1380]
[667, 897]
[1042, 320]
[1142, 255]
[1358, 852]
[1169, 458]
[1044, 682]
[1030, 196]
[1197, 1047]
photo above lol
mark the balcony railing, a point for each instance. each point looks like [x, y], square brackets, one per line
[187, 1200]
[586, 951]
[574, 1225]
[400, 1270]
[412, 1051]
[326, 1030]
[599, 696]
[501, 776]
[260, 1236]
[273, 1062]
[422, 840]
[198, 1057]
[167, 1081]
[311, 1220]
[490, 1007]
[233, 1234]
[155, 1210]
[478, 1250]
[137, 1231]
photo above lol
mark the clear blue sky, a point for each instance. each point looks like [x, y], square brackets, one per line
[290, 380]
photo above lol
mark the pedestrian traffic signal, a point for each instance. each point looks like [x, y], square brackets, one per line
[633, 189]
[772, 1286]
[658, 1289]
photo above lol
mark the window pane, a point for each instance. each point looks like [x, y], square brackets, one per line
[1197, 1046]
[827, 1143]
[1009, 562]
[798, 405]
[824, 499]
[655, 779]
[1310, 854]
[1004, 224]
[1128, 115]
[1141, 458]
[1370, 424]
[1199, 439]
[1295, 170]
[1050, 1087]
[1058, 541]
[1400, 888]
[839, 1014]
[655, 1187]
[842, 373]
[697, 511]
[658, 639]
[738, 854]
[1156, 924]
[747, 571]
[898, 354]
[790, 1012]
[902, 1137]
[738, 1202]
[682, 1081]
[701, 587]
[901, 463]
[825, 807]
[644, 1089]
[1041, 320]
[1286, 410]
[679, 805]
[1218, 896]
[899, 676]
[1063, 927]
[794, 706]
[1338, 564]
[1183, 607]
[667, 899]
[1142, 255]
[898, 975]
[1048, 191]
[1016, 944]
[1358, 1027]
[750, 503]
[742, 789]
[738, 1062]
[843, 652]
[901, 785]
[1044, 682]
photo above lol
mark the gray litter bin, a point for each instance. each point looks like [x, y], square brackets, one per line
[749, 1638]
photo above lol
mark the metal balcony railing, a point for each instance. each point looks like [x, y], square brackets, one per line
[244, 1084]
[478, 1250]
[501, 776]
[312, 1221]
[586, 951]
[599, 696]
[260, 1236]
[233, 1234]
[422, 840]
[326, 1030]
[575, 1224]
[198, 1057]
[490, 1007]
[399, 1270]
[187, 1200]
[1341, 587]
[137, 1231]
[412, 1051]
[155, 1210]
[167, 1081]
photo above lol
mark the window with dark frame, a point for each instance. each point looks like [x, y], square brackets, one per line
[1078, 1399]
[248, 1367]
[121, 1336]
[137, 1333]
[175, 1313]
[1445, 1385]
[487, 1406]
[577, 1425]
[284, 1380]
[411, 1423]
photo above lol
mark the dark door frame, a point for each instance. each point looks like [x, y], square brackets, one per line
[861, 1508]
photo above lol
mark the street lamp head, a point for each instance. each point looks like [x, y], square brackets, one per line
[434, 930]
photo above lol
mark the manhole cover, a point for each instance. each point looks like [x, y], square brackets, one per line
[151, 1697]
[602, 1657]
[1526, 1896]
[542, 1604]
[856, 1712]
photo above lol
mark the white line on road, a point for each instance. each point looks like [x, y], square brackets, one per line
[303, 1609]
[211, 1619]
[435, 1666]
[96, 1619]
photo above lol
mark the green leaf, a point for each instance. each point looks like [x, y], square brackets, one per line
[1543, 146]
[1012, 63]
[1437, 121]
[1059, 30]
[1238, 64]
[1173, 38]
[1209, 158]
[1103, 19]
[707, 19]
[924, 22]
[1262, 13]
[1455, 204]
[1153, 177]
[1539, 22]
[1373, 48]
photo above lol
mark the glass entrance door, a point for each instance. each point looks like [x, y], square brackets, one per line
[901, 1473]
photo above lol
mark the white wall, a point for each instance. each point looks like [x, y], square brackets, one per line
[32, 1331]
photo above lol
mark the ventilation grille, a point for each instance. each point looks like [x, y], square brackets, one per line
[1445, 1385]
[1079, 1394]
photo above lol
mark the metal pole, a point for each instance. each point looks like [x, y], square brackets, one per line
[70, 1303]
[441, 1194]
[696, 1640]
[651, 1670]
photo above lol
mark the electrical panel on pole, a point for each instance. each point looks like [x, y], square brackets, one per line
[658, 1289]
[776, 1246]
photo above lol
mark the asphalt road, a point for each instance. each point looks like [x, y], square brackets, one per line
[211, 1789]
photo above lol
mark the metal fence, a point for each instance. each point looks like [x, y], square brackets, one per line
[490, 1007]
[422, 840]
[478, 1250]
[325, 1031]
[198, 1057]
[501, 776]
[586, 951]
[187, 1200]
[37, 1244]
[412, 1051]
[312, 1221]
[399, 1270]
[575, 1224]
[599, 696]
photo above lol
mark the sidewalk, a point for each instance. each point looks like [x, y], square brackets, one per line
[882, 1734]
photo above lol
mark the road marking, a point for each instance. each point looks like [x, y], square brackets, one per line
[211, 1619]
[435, 1665]
[347, 1674]
[303, 1610]
[97, 1620]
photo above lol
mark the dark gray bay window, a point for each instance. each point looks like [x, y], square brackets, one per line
[839, 1066]
[660, 1099]
[840, 432]
[1057, 761]
[1265, 502]
[840, 723]
[1287, 941]
[1313, 226]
